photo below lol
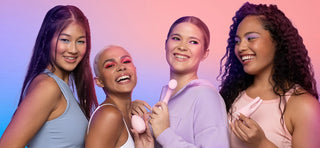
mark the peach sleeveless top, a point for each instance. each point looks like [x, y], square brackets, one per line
[268, 117]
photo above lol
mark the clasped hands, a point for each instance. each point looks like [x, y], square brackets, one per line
[158, 117]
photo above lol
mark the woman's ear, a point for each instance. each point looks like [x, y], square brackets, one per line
[165, 45]
[205, 55]
[98, 82]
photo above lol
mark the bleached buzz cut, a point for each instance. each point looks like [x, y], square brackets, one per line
[97, 57]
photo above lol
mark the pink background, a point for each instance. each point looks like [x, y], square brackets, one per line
[141, 27]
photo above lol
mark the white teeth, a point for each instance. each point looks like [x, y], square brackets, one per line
[244, 58]
[180, 57]
[123, 78]
[70, 58]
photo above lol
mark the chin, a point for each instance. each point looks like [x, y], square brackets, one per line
[250, 72]
[128, 89]
[178, 67]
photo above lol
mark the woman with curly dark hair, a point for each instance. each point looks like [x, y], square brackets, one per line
[266, 58]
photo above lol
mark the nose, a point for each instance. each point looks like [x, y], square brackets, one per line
[73, 48]
[182, 46]
[241, 46]
[121, 67]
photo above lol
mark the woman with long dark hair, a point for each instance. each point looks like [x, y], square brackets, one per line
[48, 114]
[266, 58]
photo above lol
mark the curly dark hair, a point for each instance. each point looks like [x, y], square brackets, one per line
[291, 61]
[57, 19]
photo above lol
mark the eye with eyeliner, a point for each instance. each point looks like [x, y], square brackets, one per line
[126, 60]
[194, 42]
[237, 40]
[175, 38]
[252, 36]
[81, 42]
[109, 65]
[64, 40]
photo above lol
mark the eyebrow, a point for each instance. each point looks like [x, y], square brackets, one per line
[64, 34]
[112, 60]
[70, 35]
[192, 37]
[125, 56]
[175, 34]
[108, 60]
[247, 33]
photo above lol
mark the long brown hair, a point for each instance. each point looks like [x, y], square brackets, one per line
[56, 19]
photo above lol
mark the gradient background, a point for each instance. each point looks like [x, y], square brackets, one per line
[141, 27]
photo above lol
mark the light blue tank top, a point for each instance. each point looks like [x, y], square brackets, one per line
[66, 131]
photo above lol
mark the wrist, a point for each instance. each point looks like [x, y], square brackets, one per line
[156, 134]
[266, 144]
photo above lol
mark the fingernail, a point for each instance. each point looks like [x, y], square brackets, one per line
[237, 113]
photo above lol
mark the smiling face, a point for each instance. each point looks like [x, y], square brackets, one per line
[68, 48]
[185, 48]
[116, 71]
[254, 46]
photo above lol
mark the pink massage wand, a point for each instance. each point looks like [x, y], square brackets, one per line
[138, 123]
[250, 108]
[171, 86]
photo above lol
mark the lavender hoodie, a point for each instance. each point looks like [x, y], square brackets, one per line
[198, 118]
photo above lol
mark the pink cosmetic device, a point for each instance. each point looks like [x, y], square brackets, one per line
[171, 86]
[138, 123]
[250, 108]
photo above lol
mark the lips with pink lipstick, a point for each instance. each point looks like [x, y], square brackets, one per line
[181, 57]
[123, 78]
[70, 59]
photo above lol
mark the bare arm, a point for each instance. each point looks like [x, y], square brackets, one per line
[304, 113]
[32, 113]
[105, 128]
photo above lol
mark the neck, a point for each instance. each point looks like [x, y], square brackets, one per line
[63, 75]
[263, 80]
[121, 100]
[263, 87]
[182, 79]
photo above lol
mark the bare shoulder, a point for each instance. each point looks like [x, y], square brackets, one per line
[45, 86]
[303, 108]
[108, 112]
[107, 115]
[303, 117]
[105, 127]
[35, 109]
[43, 90]
[303, 102]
